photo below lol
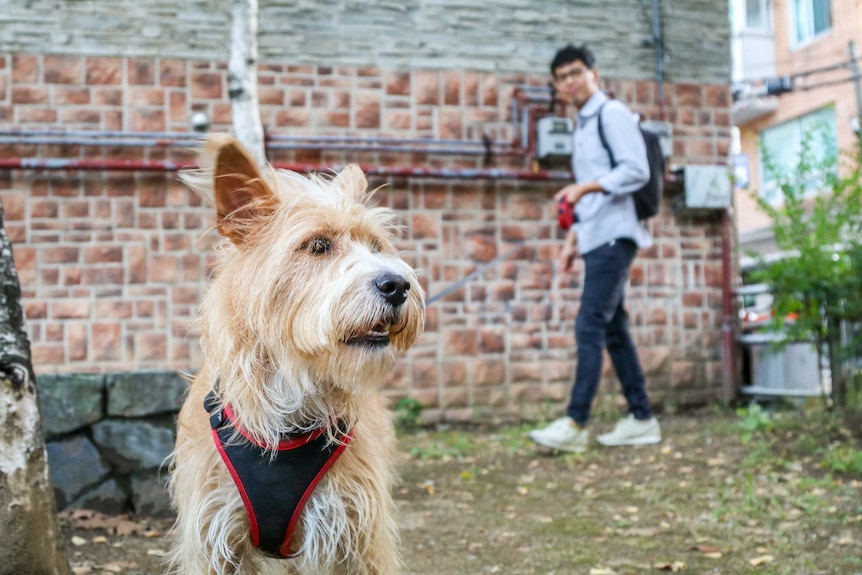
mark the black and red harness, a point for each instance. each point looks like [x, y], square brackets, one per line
[274, 490]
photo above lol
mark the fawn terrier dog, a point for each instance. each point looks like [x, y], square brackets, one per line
[283, 460]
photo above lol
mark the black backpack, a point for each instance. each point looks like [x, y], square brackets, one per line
[648, 198]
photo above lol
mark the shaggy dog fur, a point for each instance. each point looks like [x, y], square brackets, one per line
[309, 304]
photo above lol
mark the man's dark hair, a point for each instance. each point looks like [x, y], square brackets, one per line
[571, 53]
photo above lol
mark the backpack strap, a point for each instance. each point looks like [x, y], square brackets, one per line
[602, 135]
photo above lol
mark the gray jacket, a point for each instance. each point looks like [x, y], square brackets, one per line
[603, 217]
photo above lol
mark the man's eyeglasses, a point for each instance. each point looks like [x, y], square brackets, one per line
[573, 73]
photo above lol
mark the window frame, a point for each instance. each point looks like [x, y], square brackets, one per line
[810, 122]
[811, 35]
[765, 10]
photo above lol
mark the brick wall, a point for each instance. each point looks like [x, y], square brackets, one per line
[112, 264]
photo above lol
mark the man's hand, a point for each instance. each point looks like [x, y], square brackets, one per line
[566, 259]
[574, 192]
[568, 253]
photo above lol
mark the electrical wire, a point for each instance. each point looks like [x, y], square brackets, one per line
[825, 84]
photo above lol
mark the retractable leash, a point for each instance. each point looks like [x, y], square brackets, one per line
[566, 218]
[478, 271]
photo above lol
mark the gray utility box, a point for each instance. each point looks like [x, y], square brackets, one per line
[554, 138]
[792, 370]
[707, 187]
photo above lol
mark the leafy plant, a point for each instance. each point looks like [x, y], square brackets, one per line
[408, 414]
[843, 459]
[817, 223]
[753, 419]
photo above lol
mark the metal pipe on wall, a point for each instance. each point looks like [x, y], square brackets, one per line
[384, 171]
[658, 40]
[190, 139]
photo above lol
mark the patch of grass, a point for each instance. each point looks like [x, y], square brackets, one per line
[753, 420]
[514, 438]
[843, 459]
[444, 445]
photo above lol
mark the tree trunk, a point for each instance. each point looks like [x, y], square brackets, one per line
[242, 78]
[30, 542]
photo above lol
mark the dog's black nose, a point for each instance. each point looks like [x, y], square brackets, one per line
[393, 288]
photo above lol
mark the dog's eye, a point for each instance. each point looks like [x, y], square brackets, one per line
[318, 246]
[376, 246]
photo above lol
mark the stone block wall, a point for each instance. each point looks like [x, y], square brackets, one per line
[108, 438]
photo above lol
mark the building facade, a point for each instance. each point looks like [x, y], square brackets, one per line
[793, 73]
[113, 253]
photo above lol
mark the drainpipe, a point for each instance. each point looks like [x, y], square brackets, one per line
[658, 40]
[728, 325]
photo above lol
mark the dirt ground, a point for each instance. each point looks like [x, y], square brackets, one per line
[724, 493]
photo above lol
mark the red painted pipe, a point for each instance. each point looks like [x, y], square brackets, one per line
[92, 164]
[728, 327]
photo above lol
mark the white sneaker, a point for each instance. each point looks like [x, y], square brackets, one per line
[631, 431]
[562, 434]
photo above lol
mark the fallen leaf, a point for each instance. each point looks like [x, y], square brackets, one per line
[117, 567]
[674, 566]
[156, 552]
[761, 560]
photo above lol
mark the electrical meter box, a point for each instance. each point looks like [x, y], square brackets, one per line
[554, 138]
[707, 187]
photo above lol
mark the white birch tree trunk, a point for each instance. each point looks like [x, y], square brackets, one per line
[29, 532]
[242, 78]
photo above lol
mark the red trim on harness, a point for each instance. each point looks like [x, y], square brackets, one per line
[285, 547]
[284, 444]
[246, 502]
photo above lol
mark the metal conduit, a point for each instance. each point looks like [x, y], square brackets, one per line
[383, 171]
[152, 143]
[524, 96]
[97, 137]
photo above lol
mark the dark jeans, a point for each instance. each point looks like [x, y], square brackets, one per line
[603, 322]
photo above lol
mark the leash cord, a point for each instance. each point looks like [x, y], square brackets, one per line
[477, 272]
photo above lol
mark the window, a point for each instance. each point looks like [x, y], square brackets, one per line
[810, 19]
[758, 15]
[782, 143]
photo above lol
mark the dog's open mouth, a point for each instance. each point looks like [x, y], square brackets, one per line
[378, 336]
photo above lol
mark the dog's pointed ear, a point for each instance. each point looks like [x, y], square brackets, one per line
[352, 180]
[241, 195]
